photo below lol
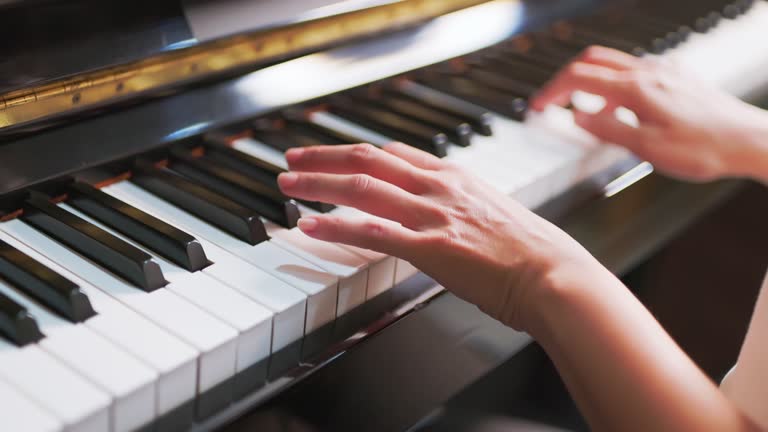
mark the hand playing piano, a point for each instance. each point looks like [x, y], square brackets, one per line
[475, 241]
[687, 128]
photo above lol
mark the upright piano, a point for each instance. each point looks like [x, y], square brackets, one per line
[151, 273]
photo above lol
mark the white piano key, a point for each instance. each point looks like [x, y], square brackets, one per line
[252, 320]
[351, 269]
[215, 340]
[319, 286]
[21, 414]
[130, 383]
[287, 303]
[171, 358]
[381, 267]
[45, 380]
[404, 271]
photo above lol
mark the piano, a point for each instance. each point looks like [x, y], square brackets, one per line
[151, 274]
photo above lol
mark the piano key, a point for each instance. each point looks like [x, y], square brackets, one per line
[239, 159]
[319, 288]
[530, 56]
[110, 252]
[271, 133]
[172, 359]
[477, 117]
[216, 209]
[129, 382]
[313, 134]
[212, 338]
[342, 125]
[243, 158]
[252, 320]
[266, 201]
[16, 324]
[624, 36]
[56, 388]
[48, 287]
[381, 270]
[500, 64]
[462, 88]
[507, 83]
[351, 269]
[22, 414]
[455, 128]
[222, 151]
[404, 271]
[391, 125]
[168, 241]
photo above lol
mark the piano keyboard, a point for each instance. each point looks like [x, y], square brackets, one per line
[162, 297]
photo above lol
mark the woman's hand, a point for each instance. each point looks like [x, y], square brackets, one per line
[687, 129]
[476, 242]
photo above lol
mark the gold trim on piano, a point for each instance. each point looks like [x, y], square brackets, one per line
[173, 68]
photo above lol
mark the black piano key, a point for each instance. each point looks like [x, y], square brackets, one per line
[548, 46]
[241, 222]
[531, 57]
[268, 202]
[216, 148]
[391, 125]
[16, 324]
[271, 133]
[476, 93]
[112, 253]
[585, 38]
[164, 239]
[256, 169]
[459, 131]
[625, 34]
[56, 292]
[313, 134]
[479, 118]
[496, 80]
[532, 74]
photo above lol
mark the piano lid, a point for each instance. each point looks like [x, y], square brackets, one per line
[83, 55]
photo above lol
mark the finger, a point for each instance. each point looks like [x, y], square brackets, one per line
[611, 58]
[605, 126]
[375, 234]
[358, 159]
[362, 192]
[587, 77]
[414, 156]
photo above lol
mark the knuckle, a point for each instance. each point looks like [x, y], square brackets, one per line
[374, 229]
[439, 184]
[573, 69]
[362, 153]
[433, 215]
[361, 184]
[592, 52]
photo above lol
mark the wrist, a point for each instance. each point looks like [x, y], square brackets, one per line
[564, 290]
[750, 158]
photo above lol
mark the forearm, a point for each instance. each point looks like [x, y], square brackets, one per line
[622, 368]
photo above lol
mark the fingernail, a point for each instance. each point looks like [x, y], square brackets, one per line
[307, 224]
[294, 154]
[287, 180]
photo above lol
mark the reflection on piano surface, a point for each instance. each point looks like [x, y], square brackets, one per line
[152, 274]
